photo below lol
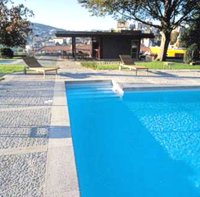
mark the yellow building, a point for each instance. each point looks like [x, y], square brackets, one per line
[170, 52]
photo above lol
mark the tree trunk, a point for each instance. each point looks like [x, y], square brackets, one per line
[164, 46]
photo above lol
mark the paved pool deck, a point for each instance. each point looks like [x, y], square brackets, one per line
[36, 150]
[73, 71]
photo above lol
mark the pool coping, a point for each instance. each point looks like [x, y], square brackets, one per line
[61, 178]
[160, 87]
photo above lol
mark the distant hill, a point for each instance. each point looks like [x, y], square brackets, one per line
[43, 32]
[41, 29]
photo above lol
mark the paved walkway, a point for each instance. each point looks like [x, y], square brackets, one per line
[25, 106]
[25, 120]
[73, 71]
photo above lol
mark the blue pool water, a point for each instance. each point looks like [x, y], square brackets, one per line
[7, 61]
[144, 144]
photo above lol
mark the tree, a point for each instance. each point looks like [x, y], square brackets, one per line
[192, 34]
[192, 54]
[166, 15]
[14, 24]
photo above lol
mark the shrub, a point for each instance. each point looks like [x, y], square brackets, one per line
[6, 53]
[192, 54]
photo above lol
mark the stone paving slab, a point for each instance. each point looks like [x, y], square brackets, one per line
[12, 138]
[22, 174]
[25, 117]
[18, 93]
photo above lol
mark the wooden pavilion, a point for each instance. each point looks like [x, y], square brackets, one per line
[109, 45]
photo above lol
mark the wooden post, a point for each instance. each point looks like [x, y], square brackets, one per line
[139, 45]
[74, 47]
[100, 48]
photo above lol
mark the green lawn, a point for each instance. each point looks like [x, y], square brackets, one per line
[7, 69]
[100, 66]
[160, 65]
[152, 65]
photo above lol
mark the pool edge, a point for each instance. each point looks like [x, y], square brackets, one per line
[61, 175]
[159, 87]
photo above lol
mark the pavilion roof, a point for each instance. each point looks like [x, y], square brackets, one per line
[128, 33]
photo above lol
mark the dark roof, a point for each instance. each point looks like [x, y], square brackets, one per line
[138, 34]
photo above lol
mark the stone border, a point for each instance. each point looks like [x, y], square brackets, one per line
[61, 176]
[159, 87]
[119, 89]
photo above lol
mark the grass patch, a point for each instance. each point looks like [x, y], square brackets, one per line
[100, 65]
[161, 65]
[7, 69]
[151, 65]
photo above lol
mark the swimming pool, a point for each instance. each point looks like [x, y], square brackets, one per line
[7, 61]
[146, 143]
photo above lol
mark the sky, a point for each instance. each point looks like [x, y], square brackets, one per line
[66, 14]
